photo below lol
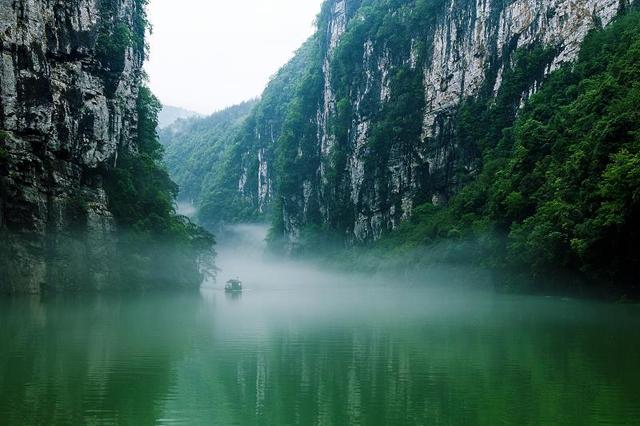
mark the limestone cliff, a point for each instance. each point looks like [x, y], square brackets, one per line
[348, 169]
[69, 77]
[363, 125]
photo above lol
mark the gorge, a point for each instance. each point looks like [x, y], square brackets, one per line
[429, 216]
[398, 125]
[404, 124]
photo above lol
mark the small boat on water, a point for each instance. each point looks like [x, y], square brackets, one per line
[233, 286]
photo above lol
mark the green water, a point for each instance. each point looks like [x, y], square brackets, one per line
[318, 357]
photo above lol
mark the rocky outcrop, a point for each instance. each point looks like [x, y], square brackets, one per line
[361, 126]
[69, 77]
[461, 48]
[469, 47]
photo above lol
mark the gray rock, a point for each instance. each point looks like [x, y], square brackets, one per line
[470, 37]
[67, 115]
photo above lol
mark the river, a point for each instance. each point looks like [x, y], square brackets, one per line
[303, 346]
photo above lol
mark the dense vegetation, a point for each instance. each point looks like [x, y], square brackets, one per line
[195, 146]
[559, 183]
[208, 157]
[115, 37]
[164, 249]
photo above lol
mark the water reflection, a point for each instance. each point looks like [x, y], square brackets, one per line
[233, 297]
[323, 357]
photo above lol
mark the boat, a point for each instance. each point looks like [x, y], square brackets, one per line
[233, 286]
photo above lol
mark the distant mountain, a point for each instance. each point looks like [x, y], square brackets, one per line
[196, 147]
[171, 114]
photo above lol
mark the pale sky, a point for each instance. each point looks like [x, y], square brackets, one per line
[209, 54]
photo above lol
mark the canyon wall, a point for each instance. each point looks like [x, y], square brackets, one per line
[70, 72]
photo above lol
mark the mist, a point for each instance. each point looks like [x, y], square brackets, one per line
[243, 254]
[452, 188]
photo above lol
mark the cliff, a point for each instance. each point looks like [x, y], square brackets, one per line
[192, 145]
[369, 127]
[444, 52]
[70, 72]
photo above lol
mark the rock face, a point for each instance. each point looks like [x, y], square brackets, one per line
[470, 46]
[69, 77]
[461, 48]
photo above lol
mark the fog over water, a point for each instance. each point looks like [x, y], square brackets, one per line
[242, 254]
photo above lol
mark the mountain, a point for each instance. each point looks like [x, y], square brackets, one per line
[193, 145]
[170, 114]
[237, 185]
[84, 202]
[403, 123]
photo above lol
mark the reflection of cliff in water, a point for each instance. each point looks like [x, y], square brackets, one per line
[510, 361]
[337, 356]
[84, 359]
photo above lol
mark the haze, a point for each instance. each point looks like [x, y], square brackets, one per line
[206, 55]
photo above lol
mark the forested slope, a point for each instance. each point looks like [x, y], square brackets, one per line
[558, 186]
[195, 148]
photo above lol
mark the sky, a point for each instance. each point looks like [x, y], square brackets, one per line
[210, 54]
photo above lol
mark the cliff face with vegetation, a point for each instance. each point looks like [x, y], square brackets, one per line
[70, 102]
[361, 126]
[390, 77]
[193, 145]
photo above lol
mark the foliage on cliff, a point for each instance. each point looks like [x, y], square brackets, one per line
[164, 247]
[208, 157]
[372, 81]
[560, 182]
[194, 148]
[115, 36]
